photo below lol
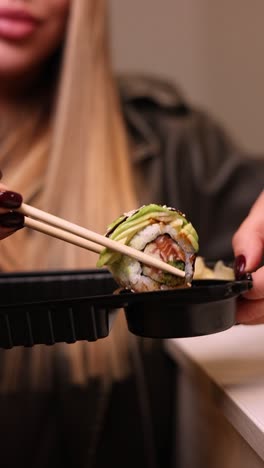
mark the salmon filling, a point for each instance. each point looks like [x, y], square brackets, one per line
[166, 249]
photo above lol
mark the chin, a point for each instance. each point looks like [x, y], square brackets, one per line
[22, 62]
[15, 64]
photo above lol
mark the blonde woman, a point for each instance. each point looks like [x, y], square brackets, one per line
[85, 146]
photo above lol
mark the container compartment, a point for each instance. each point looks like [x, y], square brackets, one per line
[68, 306]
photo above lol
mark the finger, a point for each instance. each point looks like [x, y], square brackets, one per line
[6, 232]
[9, 200]
[257, 292]
[249, 239]
[3, 189]
[250, 312]
[10, 222]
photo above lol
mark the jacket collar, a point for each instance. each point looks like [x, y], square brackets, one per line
[138, 87]
[140, 96]
[144, 140]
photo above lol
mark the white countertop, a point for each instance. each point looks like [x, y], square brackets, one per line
[233, 361]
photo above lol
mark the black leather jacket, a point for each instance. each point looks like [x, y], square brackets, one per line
[184, 159]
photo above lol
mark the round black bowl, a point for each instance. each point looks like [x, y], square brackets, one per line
[207, 307]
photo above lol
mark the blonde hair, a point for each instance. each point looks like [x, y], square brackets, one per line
[78, 168]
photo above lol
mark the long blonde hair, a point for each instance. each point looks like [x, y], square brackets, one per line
[77, 167]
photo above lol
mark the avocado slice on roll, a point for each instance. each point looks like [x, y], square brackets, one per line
[160, 231]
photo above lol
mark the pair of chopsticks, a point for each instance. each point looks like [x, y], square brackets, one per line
[61, 229]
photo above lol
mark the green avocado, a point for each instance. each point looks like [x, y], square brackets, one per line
[124, 228]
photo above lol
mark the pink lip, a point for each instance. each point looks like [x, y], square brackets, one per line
[17, 24]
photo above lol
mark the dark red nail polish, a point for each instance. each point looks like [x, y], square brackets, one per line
[239, 266]
[10, 199]
[12, 220]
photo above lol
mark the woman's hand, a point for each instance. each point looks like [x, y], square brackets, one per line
[248, 244]
[10, 221]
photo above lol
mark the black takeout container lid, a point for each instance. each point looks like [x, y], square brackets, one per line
[68, 306]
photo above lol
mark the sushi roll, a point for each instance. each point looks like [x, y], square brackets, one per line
[156, 230]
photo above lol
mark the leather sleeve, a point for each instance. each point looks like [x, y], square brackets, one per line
[184, 159]
[210, 180]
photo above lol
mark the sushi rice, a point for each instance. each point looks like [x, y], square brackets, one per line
[159, 231]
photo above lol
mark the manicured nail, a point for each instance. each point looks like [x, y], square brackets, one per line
[10, 199]
[12, 220]
[239, 266]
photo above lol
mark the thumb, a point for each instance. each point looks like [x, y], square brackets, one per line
[249, 238]
[257, 292]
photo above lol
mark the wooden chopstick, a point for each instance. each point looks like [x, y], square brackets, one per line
[60, 228]
[63, 235]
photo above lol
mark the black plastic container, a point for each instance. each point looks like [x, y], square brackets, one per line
[68, 306]
[207, 307]
[46, 308]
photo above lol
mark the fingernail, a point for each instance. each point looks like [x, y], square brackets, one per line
[12, 220]
[1, 174]
[10, 199]
[239, 266]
